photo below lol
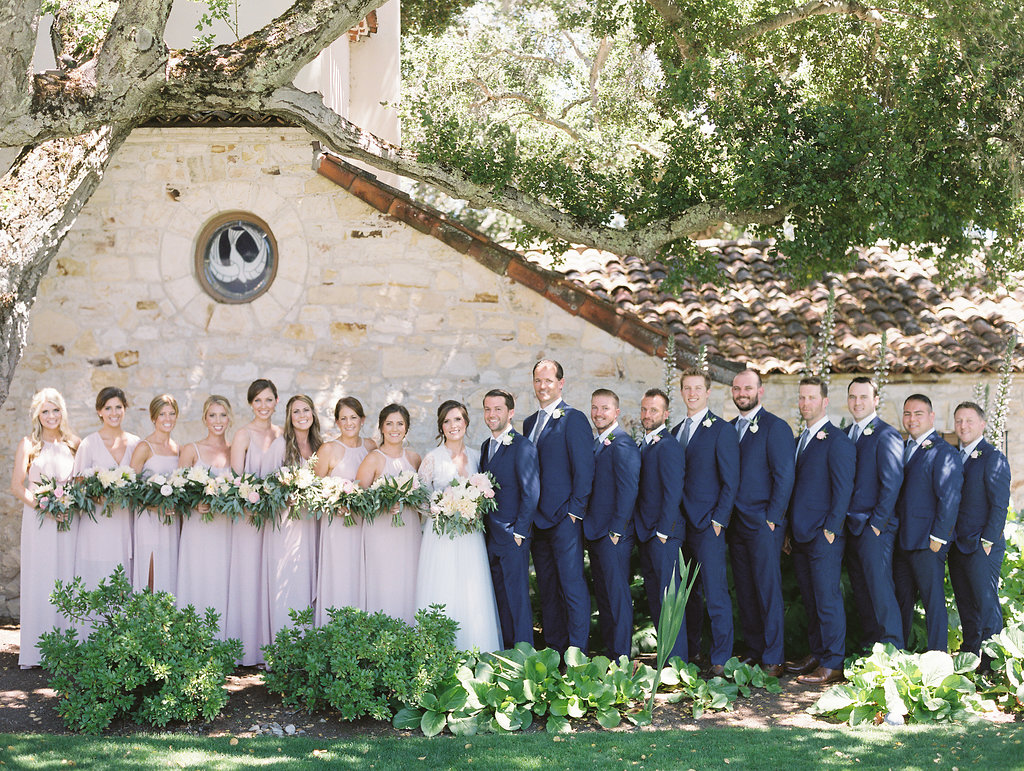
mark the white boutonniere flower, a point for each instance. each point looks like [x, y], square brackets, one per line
[557, 414]
[708, 421]
[976, 454]
[507, 439]
[821, 434]
[869, 430]
[752, 428]
[927, 444]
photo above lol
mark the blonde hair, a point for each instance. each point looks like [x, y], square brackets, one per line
[213, 399]
[53, 396]
[161, 401]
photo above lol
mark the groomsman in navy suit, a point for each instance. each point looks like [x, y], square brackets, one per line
[512, 459]
[933, 477]
[565, 452]
[710, 481]
[758, 526]
[871, 521]
[608, 526]
[660, 526]
[825, 461]
[976, 556]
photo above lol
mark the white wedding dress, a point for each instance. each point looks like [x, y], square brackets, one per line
[455, 572]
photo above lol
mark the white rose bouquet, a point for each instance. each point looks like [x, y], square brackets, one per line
[461, 507]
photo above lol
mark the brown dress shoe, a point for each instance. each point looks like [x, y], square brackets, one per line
[822, 676]
[718, 670]
[807, 664]
[775, 670]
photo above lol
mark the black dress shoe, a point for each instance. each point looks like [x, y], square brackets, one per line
[822, 676]
[807, 664]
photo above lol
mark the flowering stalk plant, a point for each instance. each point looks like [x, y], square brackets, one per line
[461, 507]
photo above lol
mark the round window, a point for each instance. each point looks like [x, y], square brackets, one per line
[236, 257]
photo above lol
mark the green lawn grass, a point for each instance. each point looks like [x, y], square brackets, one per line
[978, 746]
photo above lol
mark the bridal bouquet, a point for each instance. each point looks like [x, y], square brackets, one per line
[56, 500]
[393, 493]
[342, 497]
[114, 486]
[460, 508]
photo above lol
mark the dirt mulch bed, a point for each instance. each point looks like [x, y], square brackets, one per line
[27, 705]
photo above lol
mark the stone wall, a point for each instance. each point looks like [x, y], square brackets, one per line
[361, 305]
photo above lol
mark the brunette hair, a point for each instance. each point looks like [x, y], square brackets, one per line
[606, 392]
[921, 398]
[695, 372]
[442, 412]
[258, 385]
[657, 392]
[816, 381]
[161, 401]
[864, 379]
[970, 406]
[559, 374]
[292, 456]
[352, 403]
[108, 393]
[510, 401]
[391, 409]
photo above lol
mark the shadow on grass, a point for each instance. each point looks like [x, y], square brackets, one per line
[925, 747]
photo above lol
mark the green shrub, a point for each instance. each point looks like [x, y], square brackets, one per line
[144, 659]
[359, 663]
[905, 687]
[1004, 682]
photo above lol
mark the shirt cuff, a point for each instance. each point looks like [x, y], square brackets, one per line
[938, 540]
[516, 535]
[716, 524]
[660, 535]
[615, 535]
[987, 543]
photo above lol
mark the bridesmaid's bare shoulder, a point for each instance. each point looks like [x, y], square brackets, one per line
[369, 444]
[74, 442]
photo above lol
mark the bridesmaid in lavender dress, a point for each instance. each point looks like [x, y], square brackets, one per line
[454, 570]
[341, 548]
[206, 546]
[248, 447]
[47, 555]
[155, 560]
[390, 554]
[289, 544]
[105, 543]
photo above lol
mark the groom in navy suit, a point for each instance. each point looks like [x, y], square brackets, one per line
[976, 555]
[608, 526]
[710, 482]
[758, 528]
[927, 508]
[660, 526]
[871, 521]
[512, 460]
[825, 461]
[565, 452]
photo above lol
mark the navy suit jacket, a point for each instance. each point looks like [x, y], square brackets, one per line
[661, 489]
[616, 483]
[985, 498]
[565, 451]
[712, 472]
[514, 467]
[930, 496]
[876, 485]
[766, 471]
[823, 484]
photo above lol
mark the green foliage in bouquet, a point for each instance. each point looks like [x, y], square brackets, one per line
[905, 687]
[359, 663]
[144, 660]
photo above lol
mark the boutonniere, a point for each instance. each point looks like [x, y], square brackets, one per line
[608, 440]
[708, 421]
[821, 434]
[507, 439]
[752, 428]
[976, 454]
[869, 430]
[927, 444]
[656, 438]
[557, 414]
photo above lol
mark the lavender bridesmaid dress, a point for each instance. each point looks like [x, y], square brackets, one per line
[289, 558]
[341, 550]
[203, 554]
[47, 555]
[155, 542]
[391, 555]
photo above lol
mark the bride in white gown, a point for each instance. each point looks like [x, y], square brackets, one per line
[454, 571]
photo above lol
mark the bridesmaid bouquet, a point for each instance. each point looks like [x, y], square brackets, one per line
[56, 500]
[158, 495]
[298, 489]
[238, 497]
[342, 497]
[114, 486]
[393, 493]
[460, 508]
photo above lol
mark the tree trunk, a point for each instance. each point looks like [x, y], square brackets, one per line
[40, 198]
